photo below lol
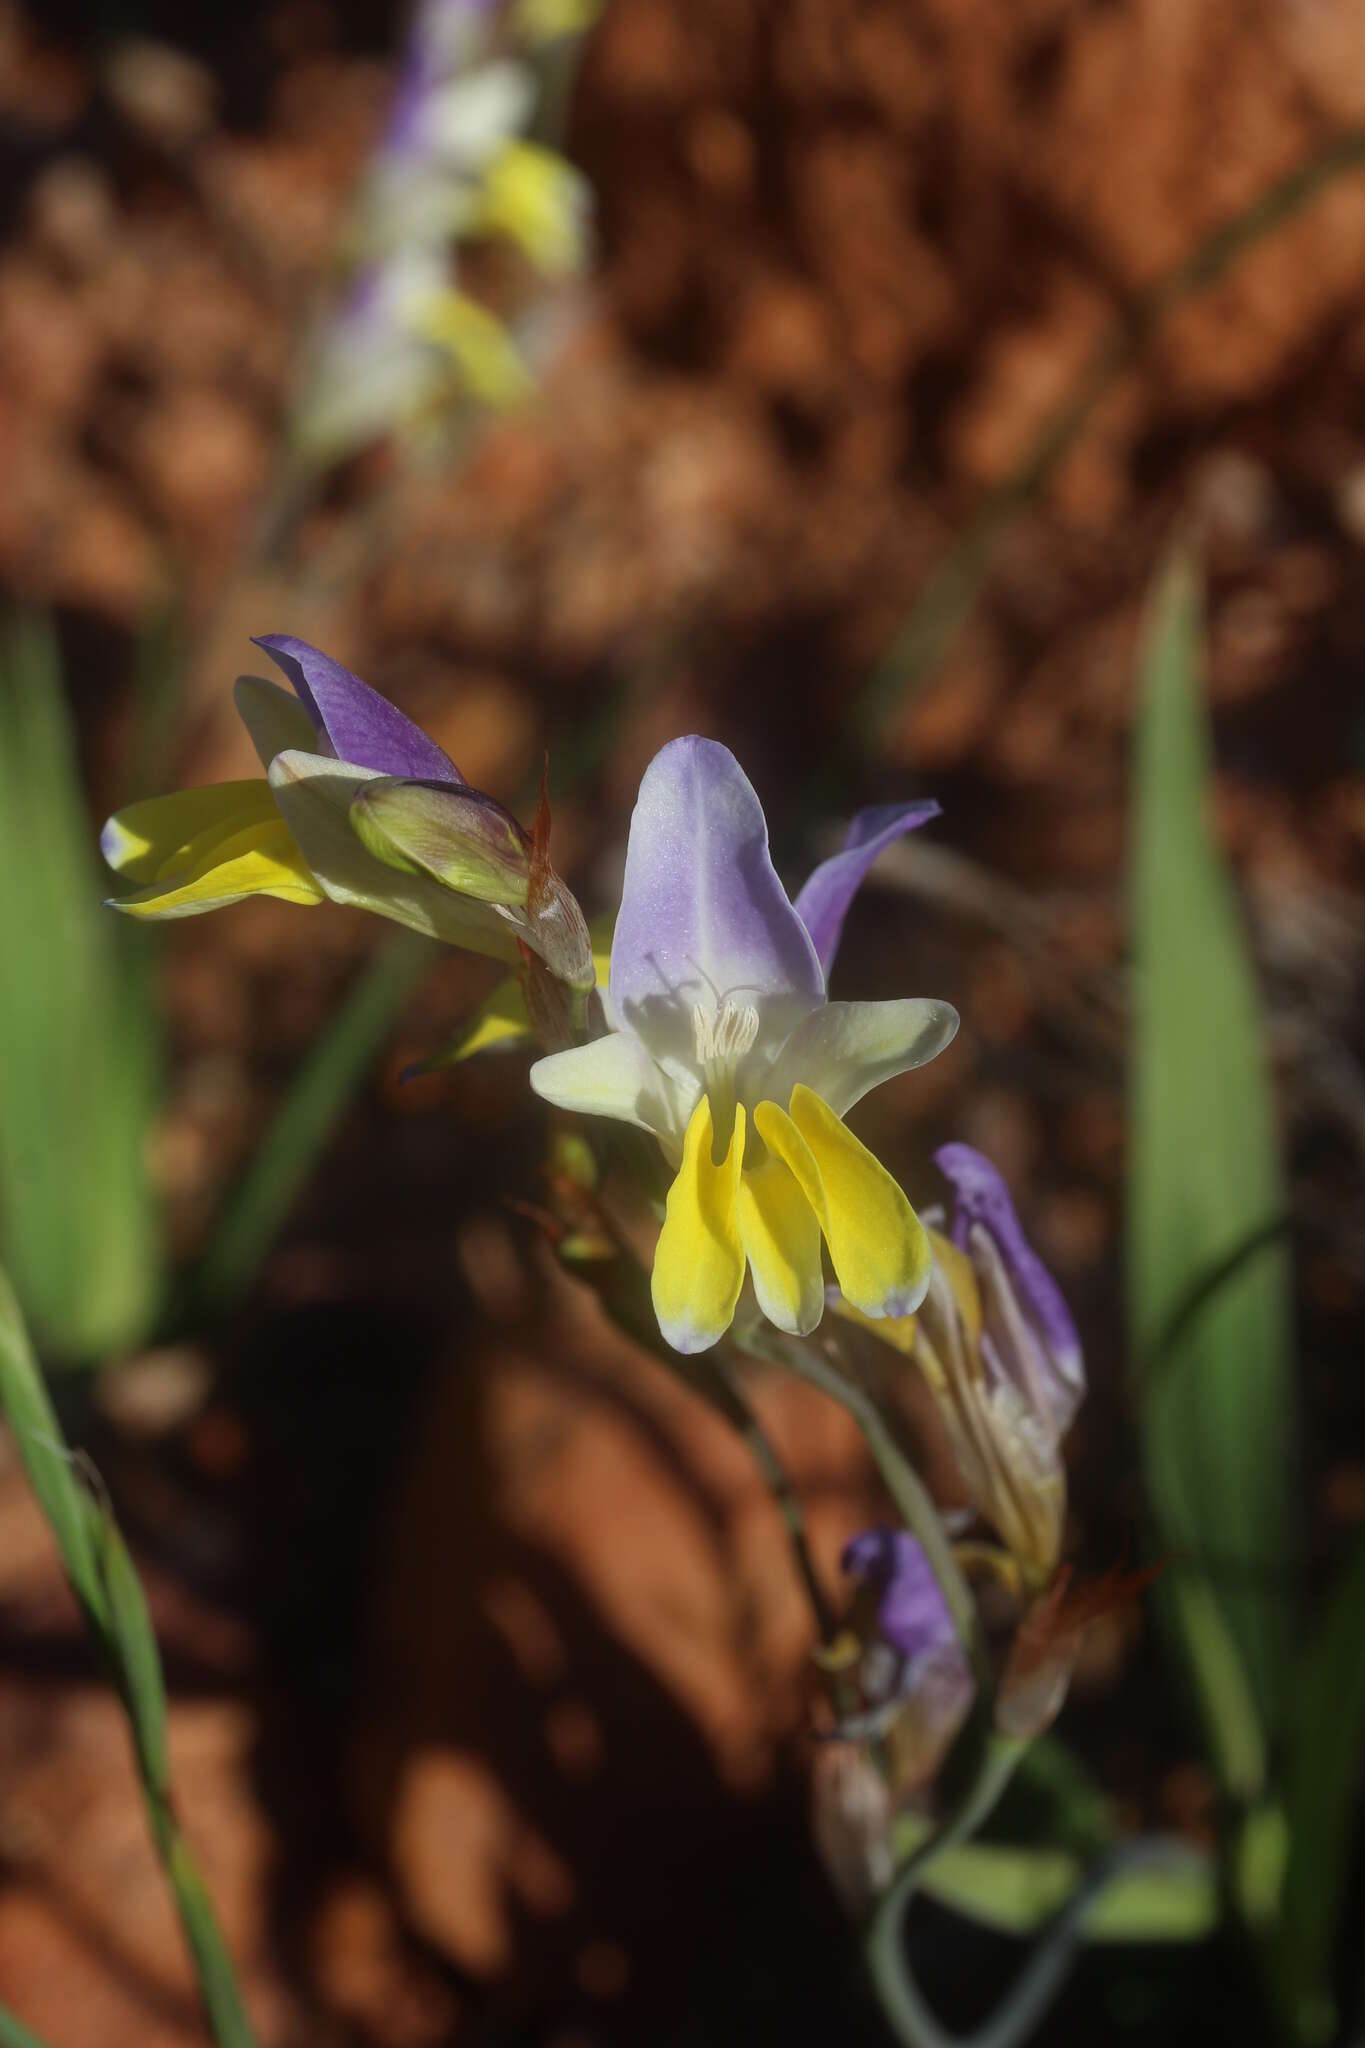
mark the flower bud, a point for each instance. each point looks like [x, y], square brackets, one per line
[454, 834]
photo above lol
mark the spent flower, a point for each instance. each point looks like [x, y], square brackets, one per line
[997, 1347]
[913, 1672]
[722, 1042]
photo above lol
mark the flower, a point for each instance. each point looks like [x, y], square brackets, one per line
[359, 805]
[999, 1350]
[721, 1041]
[403, 339]
[916, 1677]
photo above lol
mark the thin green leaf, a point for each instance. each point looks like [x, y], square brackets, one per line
[1326, 1746]
[78, 1038]
[106, 1584]
[133, 1647]
[38, 1438]
[14, 2034]
[325, 1084]
[1216, 1393]
[947, 599]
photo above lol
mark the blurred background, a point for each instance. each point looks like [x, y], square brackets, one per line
[486, 1661]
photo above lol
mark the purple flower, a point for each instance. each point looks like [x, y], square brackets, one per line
[722, 1043]
[1027, 1333]
[996, 1344]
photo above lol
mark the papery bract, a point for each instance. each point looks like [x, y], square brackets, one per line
[722, 1043]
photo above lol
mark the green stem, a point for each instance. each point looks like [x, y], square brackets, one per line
[622, 1287]
[947, 598]
[727, 1395]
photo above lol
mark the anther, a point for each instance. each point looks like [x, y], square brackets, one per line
[723, 1036]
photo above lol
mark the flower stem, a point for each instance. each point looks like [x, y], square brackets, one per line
[727, 1395]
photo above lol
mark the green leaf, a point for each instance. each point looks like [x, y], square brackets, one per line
[1205, 1194]
[103, 1577]
[13, 2033]
[78, 1039]
[326, 1082]
[1018, 1891]
[1322, 1783]
[132, 1646]
[50, 1467]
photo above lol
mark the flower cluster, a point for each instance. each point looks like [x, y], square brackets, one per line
[996, 1345]
[720, 1038]
[712, 1030]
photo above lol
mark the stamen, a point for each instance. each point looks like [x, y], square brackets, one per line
[720, 1039]
[723, 1036]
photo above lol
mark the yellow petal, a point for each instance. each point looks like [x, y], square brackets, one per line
[143, 840]
[498, 1022]
[879, 1246]
[481, 347]
[699, 1263]
[537, 200]
[897, 1331]
[202, 848]
[781, 1235]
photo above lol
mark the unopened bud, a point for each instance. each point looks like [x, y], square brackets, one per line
[455, 835]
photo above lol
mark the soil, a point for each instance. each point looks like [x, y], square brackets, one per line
[489, 1672]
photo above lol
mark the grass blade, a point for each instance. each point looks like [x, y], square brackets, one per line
[110, 1595]
[1326, 1745]
[325, 1084]
[1173, 1896]
[14, 2034]
[948, 597]
[78, 1038]
[1205, 1198]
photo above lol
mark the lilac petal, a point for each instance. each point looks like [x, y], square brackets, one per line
[823, 903]
[703, 914]
[912, 1614]
[1029, 1323]
[362, 727]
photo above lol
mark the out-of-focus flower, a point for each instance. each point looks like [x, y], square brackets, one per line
[403, 338]
[723, 1044]
[997, 1346]
[358, 805]
[915, 1676]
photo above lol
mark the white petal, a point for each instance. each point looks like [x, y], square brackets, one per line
[843, 1050]
[615, 1077]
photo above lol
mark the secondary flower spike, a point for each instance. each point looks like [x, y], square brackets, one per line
[721, 1041]
[357, 804]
